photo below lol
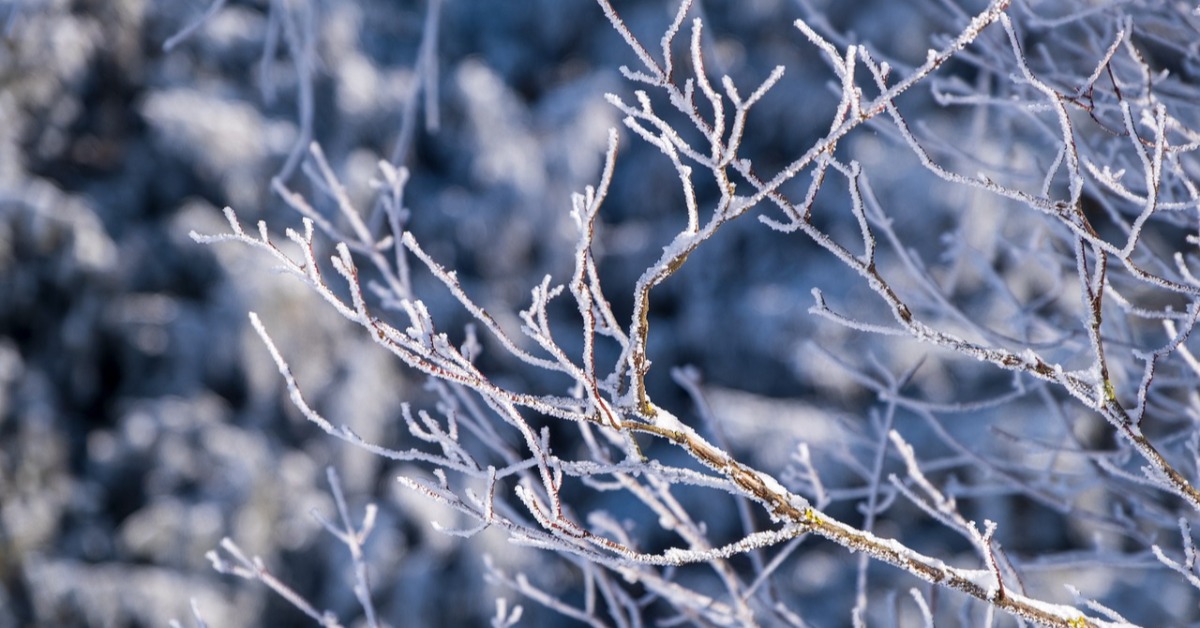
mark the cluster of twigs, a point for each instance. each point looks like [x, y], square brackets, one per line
[517, 485]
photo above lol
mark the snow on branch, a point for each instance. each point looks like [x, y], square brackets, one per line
[494, 451]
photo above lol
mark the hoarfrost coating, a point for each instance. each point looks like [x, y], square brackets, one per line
[769, 313]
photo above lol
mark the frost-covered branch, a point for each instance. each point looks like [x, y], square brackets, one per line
[496, 452]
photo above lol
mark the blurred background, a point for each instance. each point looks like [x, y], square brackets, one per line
[141, 420]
